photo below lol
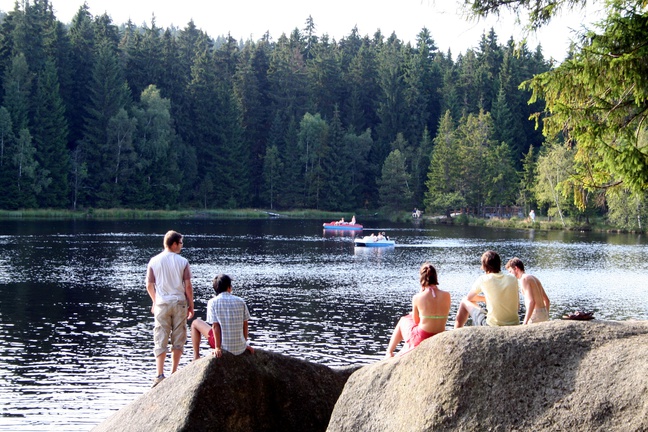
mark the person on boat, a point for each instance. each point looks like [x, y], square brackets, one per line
[226, 328]
[353, 220]
[498, 290]
[535, 299]
[380, 236]
[373, 237]
[168, 282]
[430, 309]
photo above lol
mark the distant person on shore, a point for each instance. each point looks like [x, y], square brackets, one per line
[226, 328]
[532, 216]
[168, 282]
[535, 299]
[430, 309]
[498, 290]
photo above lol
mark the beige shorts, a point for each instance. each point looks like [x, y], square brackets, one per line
[539, 315]
[170, 320]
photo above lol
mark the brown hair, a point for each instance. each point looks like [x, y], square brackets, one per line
[221, 283]
[491, 262]
[428, 275]
[515, 262]
[172, 237]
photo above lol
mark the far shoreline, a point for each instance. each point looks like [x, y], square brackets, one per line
[541, 223]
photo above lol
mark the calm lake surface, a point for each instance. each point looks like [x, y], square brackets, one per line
[75, 323]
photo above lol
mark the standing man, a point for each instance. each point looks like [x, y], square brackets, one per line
[535, 299]
[168, 282]
[498, 290]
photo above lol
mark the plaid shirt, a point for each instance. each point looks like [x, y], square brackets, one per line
[230, 312]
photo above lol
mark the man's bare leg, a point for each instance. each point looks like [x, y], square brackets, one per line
[175, 359]
[159, 364]
[463, 313]
[199, 328]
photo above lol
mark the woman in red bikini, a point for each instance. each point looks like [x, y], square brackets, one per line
[430, 309]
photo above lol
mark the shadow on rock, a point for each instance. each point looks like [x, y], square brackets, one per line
[260, 392]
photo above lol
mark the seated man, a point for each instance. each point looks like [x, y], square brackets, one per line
[535, 299]
[228, 315]
[498, 290]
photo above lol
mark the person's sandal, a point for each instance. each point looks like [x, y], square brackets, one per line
[157, 380]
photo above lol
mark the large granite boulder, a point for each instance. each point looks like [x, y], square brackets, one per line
[554, 376]
[260, 392]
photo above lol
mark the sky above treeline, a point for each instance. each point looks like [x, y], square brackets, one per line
[250, 19]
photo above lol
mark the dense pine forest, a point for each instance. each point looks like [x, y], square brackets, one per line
[96, 114]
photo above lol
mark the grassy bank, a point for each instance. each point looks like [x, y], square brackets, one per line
[133, 214]
[596, 224]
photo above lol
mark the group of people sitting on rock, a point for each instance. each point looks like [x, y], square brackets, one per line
[499, 291]
[168, 282]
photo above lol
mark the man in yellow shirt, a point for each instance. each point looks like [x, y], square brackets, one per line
[498, 290]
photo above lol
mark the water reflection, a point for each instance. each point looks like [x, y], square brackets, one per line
[75, 328]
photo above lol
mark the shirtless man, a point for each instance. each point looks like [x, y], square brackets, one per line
[536, 300]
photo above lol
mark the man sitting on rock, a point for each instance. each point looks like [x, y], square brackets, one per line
[228, 315]
[535, 299]
[498, 290]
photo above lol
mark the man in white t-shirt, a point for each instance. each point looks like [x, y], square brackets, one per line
[168, 282]
[498, 290]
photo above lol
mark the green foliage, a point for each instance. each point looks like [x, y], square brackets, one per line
[395, 193]
[627, 210]
[50, 138]
[539, 11]
[598, 98]
[554, 167]
[527, 181]
[313, 145]
[443, 180]
[106, 115]
[468, 168]
[272, 169]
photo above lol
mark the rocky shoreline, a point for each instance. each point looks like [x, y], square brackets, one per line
[554, 376]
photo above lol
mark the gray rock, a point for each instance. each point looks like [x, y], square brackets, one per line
[260, 392]
[554, 376]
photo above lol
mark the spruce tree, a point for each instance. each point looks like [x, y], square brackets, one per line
[108, 95]
[395, 192]
[50, 135]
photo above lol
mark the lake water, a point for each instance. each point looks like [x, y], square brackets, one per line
[75, 323]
